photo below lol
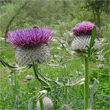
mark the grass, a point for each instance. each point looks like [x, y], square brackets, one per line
[72, 70]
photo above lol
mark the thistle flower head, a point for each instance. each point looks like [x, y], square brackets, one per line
[31, 44]
[30, 37]
[84, 27]
[83, 32]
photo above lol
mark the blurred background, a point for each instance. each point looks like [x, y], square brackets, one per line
[60, 15]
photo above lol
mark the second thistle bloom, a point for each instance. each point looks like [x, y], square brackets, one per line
[83, 32]
[31, 44]
[85, 27]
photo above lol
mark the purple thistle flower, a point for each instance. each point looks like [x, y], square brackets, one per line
[83, 32]
[31, 44]
[84, 27]
[30, 37]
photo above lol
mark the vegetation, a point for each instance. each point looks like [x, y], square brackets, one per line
[61, 16]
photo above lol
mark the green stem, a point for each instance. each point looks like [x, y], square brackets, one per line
[86, 84]
[37, 81]
[15, 83]
[66, 95]
[39, 87]
[41, 103]
[65, 92]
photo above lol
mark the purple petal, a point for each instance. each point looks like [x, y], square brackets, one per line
[84, 27]
[30, 37]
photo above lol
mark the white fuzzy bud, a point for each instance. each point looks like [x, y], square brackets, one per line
[29, 77]
[101, 65]
[47, 103]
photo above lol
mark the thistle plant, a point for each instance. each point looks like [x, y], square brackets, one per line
[31, 44]
[31, 48]
[83, 32]
[86, 42]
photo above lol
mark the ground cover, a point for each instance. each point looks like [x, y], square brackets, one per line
[53, 68]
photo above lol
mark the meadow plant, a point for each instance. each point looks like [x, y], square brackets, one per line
[85, 42]
[83, 32]
[31, 44]
[31, 48]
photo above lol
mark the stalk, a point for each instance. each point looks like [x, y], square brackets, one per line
[65, 92]
[66, 95]
[37, 81]
[39, 86]
[86, 83]
[15, 84]
[41, 103]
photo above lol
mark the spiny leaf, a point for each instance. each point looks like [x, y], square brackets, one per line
[41, 79]
[93, 37]
[12, 68]
[66, 82]
[92, 95]
[5, 64]
[92, 42]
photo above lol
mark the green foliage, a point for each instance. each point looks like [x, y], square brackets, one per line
[91, 105]
[104, 89]
[92, 42]
[98, 5]
[33, 13]
[97, 8]
[106, 49]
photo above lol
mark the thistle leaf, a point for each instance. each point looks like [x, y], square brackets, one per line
[66, 82]
[92, 41]
[12, 68]
[92, 95]
[42, 80]
[5, 64]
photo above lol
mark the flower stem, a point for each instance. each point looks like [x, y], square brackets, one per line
[15, 84]
[86, 83]
[41, 103]
[66, 95]
[37, 81]
[65, 92]
[39, 87]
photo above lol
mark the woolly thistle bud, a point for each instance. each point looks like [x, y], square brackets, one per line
[29, 77]
[47, 103]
